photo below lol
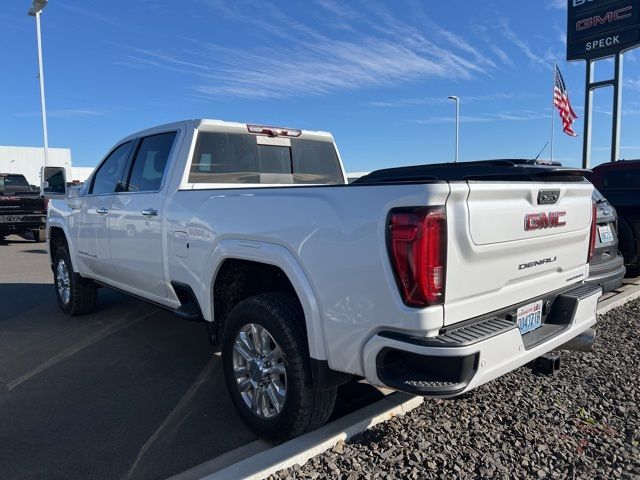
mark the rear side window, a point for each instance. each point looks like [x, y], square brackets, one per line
[315, 162]
[621, 179]
[111, 171]
[150, 162]
[237, 158]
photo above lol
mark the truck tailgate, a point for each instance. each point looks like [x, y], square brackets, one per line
[511, 242]
[21, 203]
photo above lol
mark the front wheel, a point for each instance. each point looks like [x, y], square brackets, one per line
[267, 368]
[76, 296]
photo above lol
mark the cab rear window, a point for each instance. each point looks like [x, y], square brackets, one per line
[14, 183]
[238, 158]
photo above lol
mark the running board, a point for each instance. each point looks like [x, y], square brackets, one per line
[189, 308]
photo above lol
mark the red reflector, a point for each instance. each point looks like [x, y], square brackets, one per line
[594, 226]
[417, 247]
[274, 131]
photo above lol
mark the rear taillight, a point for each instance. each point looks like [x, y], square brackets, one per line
[592, 238]
[417, 241]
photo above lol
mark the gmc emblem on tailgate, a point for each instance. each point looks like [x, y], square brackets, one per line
[540, 221]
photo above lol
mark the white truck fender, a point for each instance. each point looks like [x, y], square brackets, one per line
[56, 222]
[272, 254]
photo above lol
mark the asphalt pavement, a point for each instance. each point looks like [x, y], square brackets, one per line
[128, 392]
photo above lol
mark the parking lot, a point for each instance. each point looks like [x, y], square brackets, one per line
[130, 391]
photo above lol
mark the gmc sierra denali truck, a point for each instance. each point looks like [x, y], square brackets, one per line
[432, 279]
[22, 210]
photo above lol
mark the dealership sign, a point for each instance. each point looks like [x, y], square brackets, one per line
[601, 28]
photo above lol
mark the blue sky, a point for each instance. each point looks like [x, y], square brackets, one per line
[375, 73]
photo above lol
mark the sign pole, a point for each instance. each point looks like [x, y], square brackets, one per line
[597, 30]
[553, 106]
[588, 111]
[617, 109]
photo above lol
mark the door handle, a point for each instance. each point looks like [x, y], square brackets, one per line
[150, 212]
[102, 211]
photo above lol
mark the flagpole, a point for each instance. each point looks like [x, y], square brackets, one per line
[553, 106]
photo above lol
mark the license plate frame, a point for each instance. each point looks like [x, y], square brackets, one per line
[605, 234]
[529, 317]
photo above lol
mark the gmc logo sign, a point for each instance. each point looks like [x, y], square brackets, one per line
[608, 17]
[540, 221]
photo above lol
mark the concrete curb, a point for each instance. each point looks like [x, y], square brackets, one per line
[299, 450]
[628, 292]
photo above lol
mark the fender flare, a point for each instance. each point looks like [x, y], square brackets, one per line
[276, 255]
[58, 223]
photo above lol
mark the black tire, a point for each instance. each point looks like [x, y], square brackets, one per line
[305, 407]
[83, 293]
[633, 270]
[39, 236]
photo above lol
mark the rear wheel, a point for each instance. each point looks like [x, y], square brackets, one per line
[39, 236]
[76, 295]
[633, 270]
[267, 368]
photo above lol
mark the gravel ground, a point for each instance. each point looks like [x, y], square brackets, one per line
[583, 423]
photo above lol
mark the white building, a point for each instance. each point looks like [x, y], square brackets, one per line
[29, 160]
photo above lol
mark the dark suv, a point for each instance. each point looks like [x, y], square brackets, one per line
[619, 182]
[607, 265]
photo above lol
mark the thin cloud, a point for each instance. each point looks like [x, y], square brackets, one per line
[417, 101]
[90, 13]
[379, 50]
[633, 83]
[623, 147]
[518, 116]
[522, 45]
[557, 4]
[65, 113]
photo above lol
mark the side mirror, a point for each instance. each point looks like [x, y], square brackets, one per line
[53, 182]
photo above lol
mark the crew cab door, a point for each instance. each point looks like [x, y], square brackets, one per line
[137, 214]
[92, 228]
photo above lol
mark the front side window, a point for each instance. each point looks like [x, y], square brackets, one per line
[111, 171]
[238, 158]
[150, 162]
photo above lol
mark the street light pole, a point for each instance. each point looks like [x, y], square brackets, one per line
[457, 100]
[35, 11]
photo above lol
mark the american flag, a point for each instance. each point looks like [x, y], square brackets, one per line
[562, 103]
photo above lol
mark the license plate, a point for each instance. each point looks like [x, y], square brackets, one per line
[529, 317]
[605, 233]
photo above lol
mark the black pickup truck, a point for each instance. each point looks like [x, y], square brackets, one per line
[22, 210]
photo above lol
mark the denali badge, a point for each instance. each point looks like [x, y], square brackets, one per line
[540, 221]
[535, 263]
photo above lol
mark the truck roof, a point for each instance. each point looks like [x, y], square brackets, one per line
[618, 164]
[212, 125]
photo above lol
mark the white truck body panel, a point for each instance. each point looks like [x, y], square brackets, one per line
[331, 242]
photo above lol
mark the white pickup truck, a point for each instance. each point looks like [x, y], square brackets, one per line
[431, 279]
